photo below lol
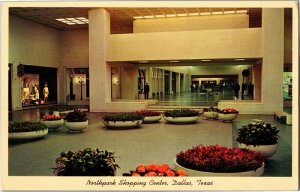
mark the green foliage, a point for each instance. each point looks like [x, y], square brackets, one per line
[26, 126]
[126, 116]
[181, 113]
[258, 134]
[77, 116]
[89, 162]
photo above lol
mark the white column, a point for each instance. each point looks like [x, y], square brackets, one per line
[273, 58]
[178, 83]
[170, 88]
[100, 72]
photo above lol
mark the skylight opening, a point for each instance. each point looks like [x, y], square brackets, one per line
[73, 21]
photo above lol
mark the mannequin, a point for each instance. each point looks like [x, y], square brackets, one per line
[46, 93]
[36, 93]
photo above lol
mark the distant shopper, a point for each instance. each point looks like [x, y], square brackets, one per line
[236, 89]
[46, 93]
[244, 87]
[250, 90]
[146, 91]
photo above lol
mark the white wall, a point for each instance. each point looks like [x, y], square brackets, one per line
[75, 48]
[223, 43]
[32, 44]
[192, 23]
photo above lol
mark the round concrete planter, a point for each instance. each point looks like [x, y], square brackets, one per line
[53, 124]
[122, 124]
[266, 150]
[76, 126]
[28, 135]
[181, 119]
[152, 119]
[191, 172]
[210, 114]
[227, 117]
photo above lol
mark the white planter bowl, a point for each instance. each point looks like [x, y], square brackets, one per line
[76, 126]
[152, 119]
[28, 135]
[54, 124]
[210, 114]
[266, 150]
[227, 116]
[191, 172]
[122, 124]
[181, 119]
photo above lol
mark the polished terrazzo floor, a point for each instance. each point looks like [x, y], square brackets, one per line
[152, 143]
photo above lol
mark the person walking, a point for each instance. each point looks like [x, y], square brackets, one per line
[146, 91]
[236, 89]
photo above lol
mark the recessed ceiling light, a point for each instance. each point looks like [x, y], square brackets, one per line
[60, 19]
[229, 12]
[205, 60]
[182, 15]
[241, 11]
[239, 59]
[143, 61]
[217, 13]
[193, 14]
[205, 13]
[159, 16]
[171, 15]
[174, 61]
[73, 21]
[138, 17]
[149, 16]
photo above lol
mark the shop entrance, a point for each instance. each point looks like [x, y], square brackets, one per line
[39, 85]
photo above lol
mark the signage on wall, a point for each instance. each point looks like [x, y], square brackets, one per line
[81, 70]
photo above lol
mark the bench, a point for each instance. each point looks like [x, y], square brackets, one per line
[281, 116]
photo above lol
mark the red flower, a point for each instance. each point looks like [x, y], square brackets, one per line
[163, 168]
[180, 173]
[135, 174]
[152, 167]
[141, 169]
[170, 173]
[151, 174]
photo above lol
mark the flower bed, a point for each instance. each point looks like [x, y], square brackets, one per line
[53, 121]
[181, 116]
[155, 170]
[228, 114]
[220, 159]
[27, 130]
[150, 116]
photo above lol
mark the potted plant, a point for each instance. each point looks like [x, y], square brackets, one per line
[150, 116]
[155, 170]
[261, 137]
[53, 121]
[216, 160]
[26, 130]
[228, 114]
[121, 120]
[181, 116]
[211, 112]
[87, 162]
[76, 120]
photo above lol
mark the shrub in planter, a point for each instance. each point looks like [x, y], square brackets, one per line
[26, 126]
[148, 113]
[219, 159]
[211, 112]
[89, 162]
[76, 120]
[126, 116]
[261, 137]
[155, 170]
[26, 130]
[122, 120]
[76, 116]
[258, 134]
[181, 113]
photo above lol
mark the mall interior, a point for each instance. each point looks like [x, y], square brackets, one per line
[101, 58]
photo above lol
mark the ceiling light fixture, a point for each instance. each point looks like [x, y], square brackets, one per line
[239, 59]
[205, 60]
[73, 21]
[174, 61]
